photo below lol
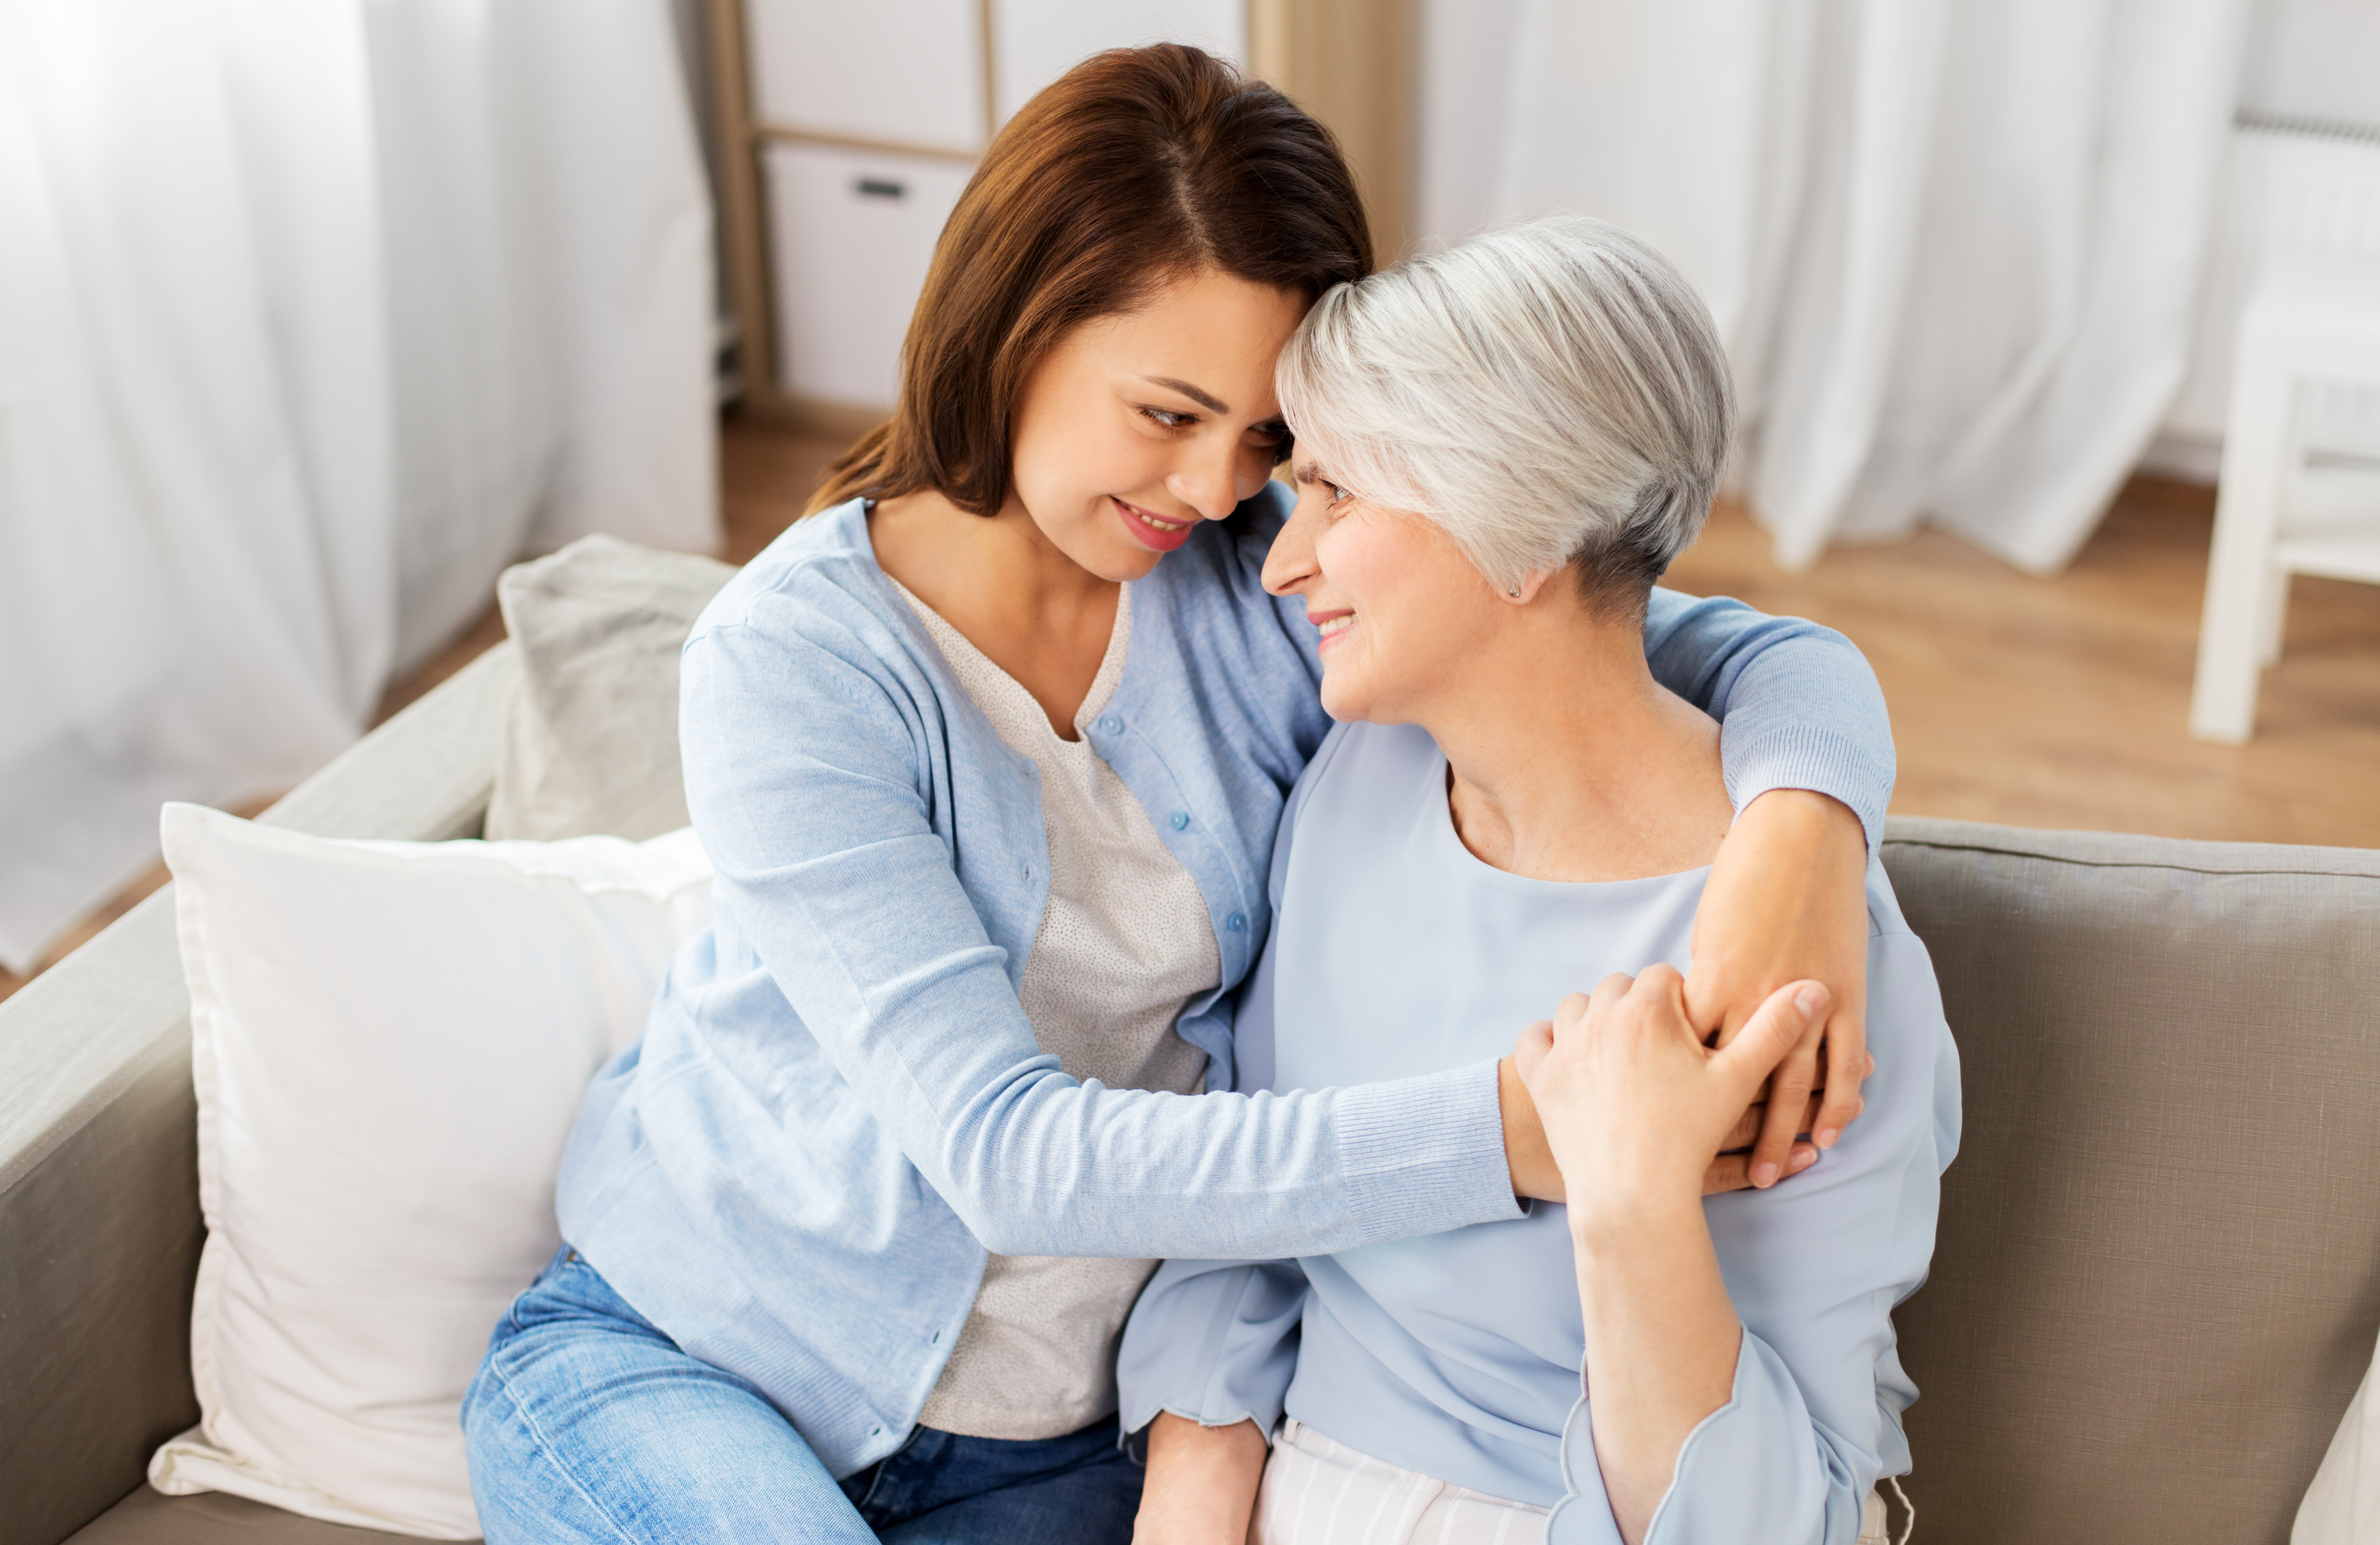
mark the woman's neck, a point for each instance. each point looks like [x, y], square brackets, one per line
[1570, 762]
[1006, 587]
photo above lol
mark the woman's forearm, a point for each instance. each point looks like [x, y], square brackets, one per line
[1662, 1338]
[1201, 1487]
[1787, 899]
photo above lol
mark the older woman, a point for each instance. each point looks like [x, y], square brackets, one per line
[1500, 448]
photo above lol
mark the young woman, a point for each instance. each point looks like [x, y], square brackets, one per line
[989, 756]
[1500, 447]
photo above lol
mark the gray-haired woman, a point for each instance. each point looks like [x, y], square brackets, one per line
[1499, 448]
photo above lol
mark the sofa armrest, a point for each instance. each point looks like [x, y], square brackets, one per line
[99, 1217]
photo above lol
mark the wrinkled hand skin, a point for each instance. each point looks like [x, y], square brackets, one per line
[1787, 900]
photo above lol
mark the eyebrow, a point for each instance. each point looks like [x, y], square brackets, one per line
[1210, 404]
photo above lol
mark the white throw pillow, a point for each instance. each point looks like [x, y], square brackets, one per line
[390, 1041]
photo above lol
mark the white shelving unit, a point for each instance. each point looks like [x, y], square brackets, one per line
[848, 130]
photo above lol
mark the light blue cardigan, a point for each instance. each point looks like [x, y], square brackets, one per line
[838, 1106]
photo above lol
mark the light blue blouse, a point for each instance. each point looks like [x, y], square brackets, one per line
[837, 1105]
[1394, 952]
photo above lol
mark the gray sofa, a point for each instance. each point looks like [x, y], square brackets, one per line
[2157, 1285]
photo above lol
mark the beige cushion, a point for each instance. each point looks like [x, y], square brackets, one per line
[149, 1517]
[590, 744]
[2158, 1275]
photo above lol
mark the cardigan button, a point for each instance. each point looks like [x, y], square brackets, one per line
[1110, 725]
[1181, 819]
[1237, 922]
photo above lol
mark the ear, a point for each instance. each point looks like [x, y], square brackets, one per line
[1527, 591]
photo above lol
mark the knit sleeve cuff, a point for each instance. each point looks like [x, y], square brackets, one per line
[1825, 761]
[1425, 1155]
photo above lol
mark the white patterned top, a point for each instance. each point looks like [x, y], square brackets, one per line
[1124, 943]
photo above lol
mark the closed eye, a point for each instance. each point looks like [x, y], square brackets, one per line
[1166, 418]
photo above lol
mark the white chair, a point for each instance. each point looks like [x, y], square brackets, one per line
[2315, 320]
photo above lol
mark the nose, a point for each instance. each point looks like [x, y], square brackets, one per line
[1291, 563]
[1207, 479]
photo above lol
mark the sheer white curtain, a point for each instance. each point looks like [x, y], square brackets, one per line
[314, 313]
[1953, 245]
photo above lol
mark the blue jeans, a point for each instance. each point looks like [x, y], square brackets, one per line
[587, 1424]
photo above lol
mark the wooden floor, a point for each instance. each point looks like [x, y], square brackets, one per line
[2063, 702]
[2037, 702]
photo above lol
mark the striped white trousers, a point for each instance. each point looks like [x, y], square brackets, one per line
[1320, 1492]
[1316, 1492]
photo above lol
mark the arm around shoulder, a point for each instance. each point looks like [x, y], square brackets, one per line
[811, 746]
[1797, 703]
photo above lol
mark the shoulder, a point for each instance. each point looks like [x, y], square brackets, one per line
[1899, 968]
[821, 566]
[1907, 1031]
[1884, 916]
[809, 628]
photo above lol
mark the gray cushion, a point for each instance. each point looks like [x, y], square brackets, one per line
[590, 743]
[2158, 1276]
[149, 1517]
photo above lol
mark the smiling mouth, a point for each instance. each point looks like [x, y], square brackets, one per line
[1333, 628]
[1162, 528]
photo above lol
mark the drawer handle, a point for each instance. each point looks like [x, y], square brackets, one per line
[878, 188]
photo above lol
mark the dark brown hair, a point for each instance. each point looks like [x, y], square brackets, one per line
[1137, 167]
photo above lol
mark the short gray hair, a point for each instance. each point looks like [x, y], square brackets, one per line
[1548, 393]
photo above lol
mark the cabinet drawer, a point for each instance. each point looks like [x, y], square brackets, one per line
[851, 233]
[907, 71]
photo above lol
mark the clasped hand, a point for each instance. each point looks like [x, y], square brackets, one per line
[1637, 1109]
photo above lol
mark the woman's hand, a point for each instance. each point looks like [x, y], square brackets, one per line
[1788, 899]
[1536, 1175]
[1634, 1105]
[1201, 1487]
